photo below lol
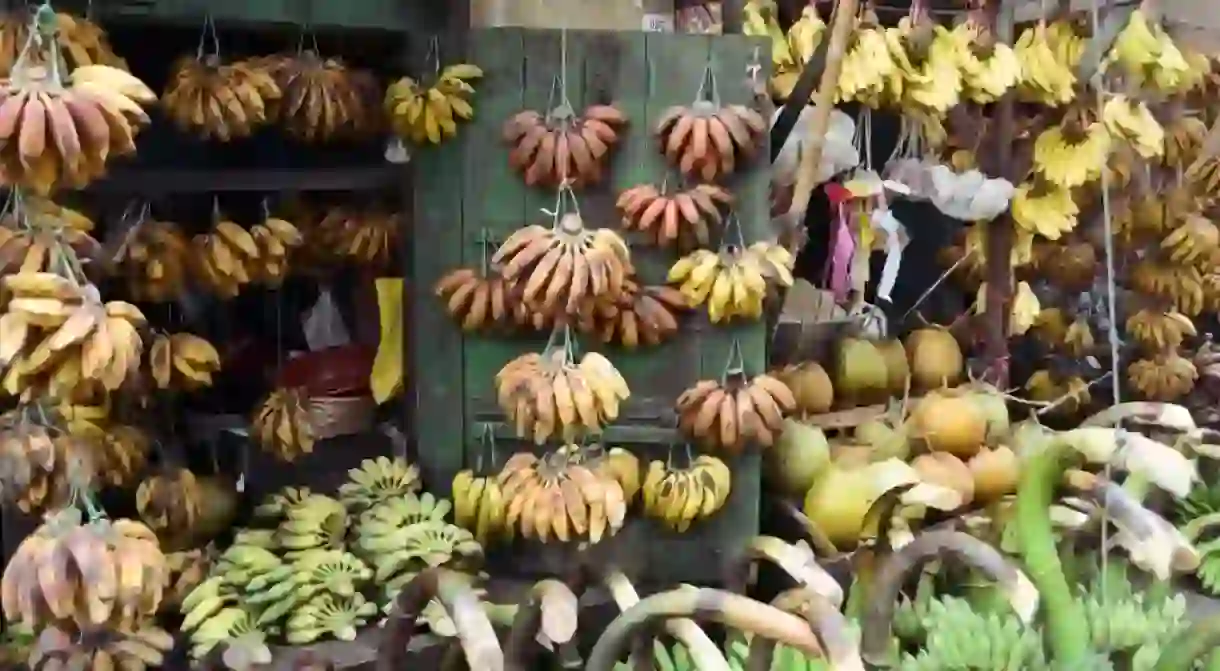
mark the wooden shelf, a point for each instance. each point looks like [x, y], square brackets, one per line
[144, 182]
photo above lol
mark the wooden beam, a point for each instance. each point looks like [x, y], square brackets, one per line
[733, 16]
[152, 182]
[804, 89]
[1000, 232]
[843, 22]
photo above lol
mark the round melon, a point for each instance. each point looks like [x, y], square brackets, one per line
[935, 359]
[950, 423]
[797, 458]
[860, 372]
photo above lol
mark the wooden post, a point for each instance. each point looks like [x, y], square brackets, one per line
[1000, 232]
[733, 16]
[842, 24]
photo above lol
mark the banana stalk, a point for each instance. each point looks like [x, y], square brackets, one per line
[550, 614]
[1169, 415]
[897, 567]
[798, 562]
[703, 651]
[1066, 629]
[1193, 644]
[831, 627]
[453, 590]
[727, 608]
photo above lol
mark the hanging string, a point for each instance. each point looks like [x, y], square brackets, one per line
[208, 27]
[1111, 309]
[734, 363]
[306, 29]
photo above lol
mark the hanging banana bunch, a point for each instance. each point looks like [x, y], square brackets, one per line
[429, 112]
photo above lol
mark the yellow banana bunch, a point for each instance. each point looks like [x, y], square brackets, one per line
[867, 65]
[427, 114]
[1146, 53]
[1131, 121]
[806, 33]
[1048, 54]
[1165, 378]
[1195, 241]
[182, 360]
[1025, 307]
[1079, 341]
[732, 283]
[1184, 137]
[678, 497]
[1158, 331]
[1071, 156]
[761, 20]
[1046, 210]
[939, 83]
[986, 78]
[225, 259]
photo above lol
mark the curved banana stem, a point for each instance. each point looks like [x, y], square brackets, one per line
[727, 608]
[831, 627]
[1181, 653]
[897, 567]
[521, 648]
[1066, 629]
[453, 590]
[798, 562]
[704, 653]
[1169, 415]
[822, 545]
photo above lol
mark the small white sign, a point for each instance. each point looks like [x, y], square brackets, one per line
[658, 23]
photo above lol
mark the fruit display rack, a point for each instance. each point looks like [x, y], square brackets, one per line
[469, 199]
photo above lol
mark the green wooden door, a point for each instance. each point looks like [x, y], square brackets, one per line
[465, 189]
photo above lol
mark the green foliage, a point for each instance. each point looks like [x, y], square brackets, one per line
[1191, 514]
[1123, 624]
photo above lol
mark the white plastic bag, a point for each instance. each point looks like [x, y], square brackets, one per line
[838, 151]
[323, 324]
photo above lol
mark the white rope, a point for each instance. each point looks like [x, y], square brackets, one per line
[1111, 292]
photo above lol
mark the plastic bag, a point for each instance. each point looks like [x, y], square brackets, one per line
[838, 151]
[323, 324]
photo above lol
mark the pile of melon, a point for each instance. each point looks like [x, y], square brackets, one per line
[949, 434]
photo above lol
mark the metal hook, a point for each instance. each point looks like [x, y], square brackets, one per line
[735, 363]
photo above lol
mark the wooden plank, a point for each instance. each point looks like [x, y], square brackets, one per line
[437, 347]
[146, 182]
[734, 57]
[495, 208]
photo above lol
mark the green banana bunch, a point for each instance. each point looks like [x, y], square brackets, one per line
[316, 521]
[426, 544]
[259, 538]
[279, 592]
[276, 506]
[228, 580]
[378, 480]
[327, 614]
[381, 528]
[227, 625]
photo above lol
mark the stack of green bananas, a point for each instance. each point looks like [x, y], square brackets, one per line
[214, 612]
[399, 539]
[253, 590]
[378, 480]
[316, 521]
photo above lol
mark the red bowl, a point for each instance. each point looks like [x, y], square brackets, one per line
[335, 371]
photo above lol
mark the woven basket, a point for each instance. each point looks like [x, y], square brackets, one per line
[333, 416]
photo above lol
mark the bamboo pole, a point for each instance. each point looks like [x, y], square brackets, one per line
[842, 24]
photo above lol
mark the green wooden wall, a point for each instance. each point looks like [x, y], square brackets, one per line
[465, 188]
